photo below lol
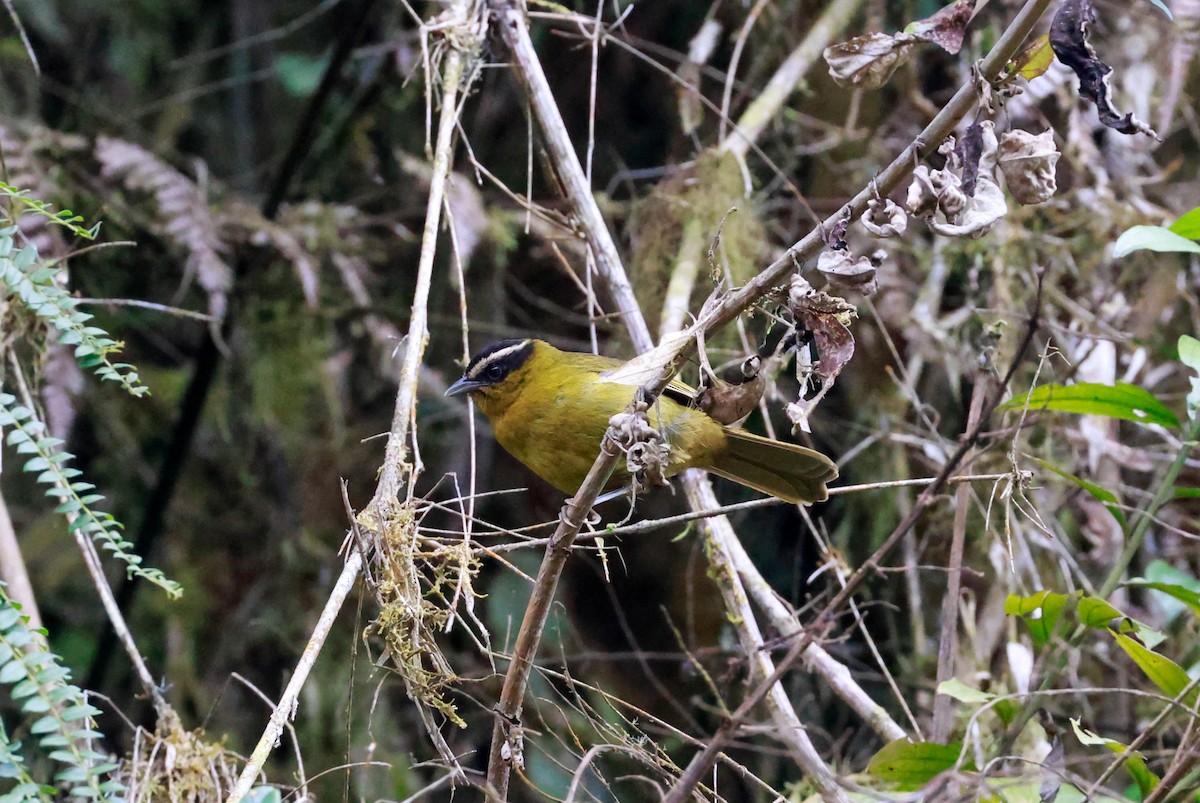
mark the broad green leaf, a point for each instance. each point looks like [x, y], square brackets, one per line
[1168, 676]
[1096, 613]
[1182, 590]
[911, 765]
[1099, 493]
[1153, 238]
[1185, 595]
[1040, 612]
[1134, 763]
[1188, 225]
[960, 691]
[1122, 400]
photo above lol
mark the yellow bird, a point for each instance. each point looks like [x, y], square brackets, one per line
[550, 409]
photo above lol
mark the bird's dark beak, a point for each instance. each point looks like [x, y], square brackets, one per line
[463, 385]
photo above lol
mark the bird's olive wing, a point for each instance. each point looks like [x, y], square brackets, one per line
[644, 368]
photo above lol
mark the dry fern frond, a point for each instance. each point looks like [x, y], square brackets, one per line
[182, 212]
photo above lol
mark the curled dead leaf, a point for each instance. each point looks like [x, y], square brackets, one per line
[1070, 36]
[1028, 162]
[867, 61]
[884, 218]
[845, 271]
[947, 28]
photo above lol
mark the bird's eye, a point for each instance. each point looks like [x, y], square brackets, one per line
[494, 373]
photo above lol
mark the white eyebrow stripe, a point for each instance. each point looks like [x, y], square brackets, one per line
[495, 357]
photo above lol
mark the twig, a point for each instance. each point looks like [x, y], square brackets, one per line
[510, 21]
[95, 567]
[382, 507]
[720, 545]
[787, 76]
[943, 711]
[290, 699]
[150, 305]
[703, 760]
[13, 571]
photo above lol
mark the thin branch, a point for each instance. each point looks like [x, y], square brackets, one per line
[382, 507]
[289, 701]
[700, 764]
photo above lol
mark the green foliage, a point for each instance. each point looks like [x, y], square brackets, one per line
[1122, 400]
[38, 289]
[1171, 678]
[26, 433]
[1101, 495]
[910, 765]
[64, 721]
[1044, 611]
[1179, 587]
[1134, 763]
[64, 217]
[12, 766]
[1188, 225]
[1189, 355]
[1175, 239]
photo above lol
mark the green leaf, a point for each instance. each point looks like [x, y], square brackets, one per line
[1096, 613]
[911, 765]
[1177, 585]
[263, 794]
[956, 689]
[1099, 493]
[1189, 355]
[1188, 225]
[1134, 763]
[1168, 676]
[1124, 401]
[1041, 613]
[1153, 238]
[12, 672]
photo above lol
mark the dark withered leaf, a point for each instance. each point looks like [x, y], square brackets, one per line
[820, 315]
[969, 149]
[947, 28]
[1070, 35]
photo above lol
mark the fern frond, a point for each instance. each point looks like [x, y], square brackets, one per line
[76, 500]
[182, 211]
[65, 723]
[12, 766]
[34, 285]
[64, 217]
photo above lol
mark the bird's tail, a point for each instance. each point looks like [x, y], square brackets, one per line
[792, 473]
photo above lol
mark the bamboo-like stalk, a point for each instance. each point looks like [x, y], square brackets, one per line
[384, 503]
[770, 100]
